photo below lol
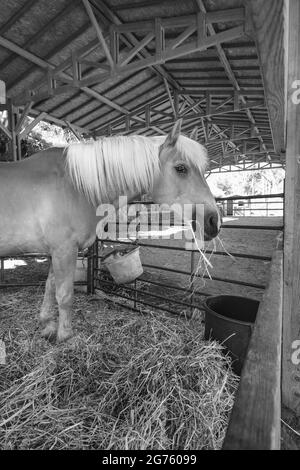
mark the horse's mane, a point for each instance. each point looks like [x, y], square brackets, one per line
[118, 163]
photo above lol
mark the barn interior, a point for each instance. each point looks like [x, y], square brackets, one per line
[227, 68]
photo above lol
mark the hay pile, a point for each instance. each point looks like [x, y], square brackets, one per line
[129, 381]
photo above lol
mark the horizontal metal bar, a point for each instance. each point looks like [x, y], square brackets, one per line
[228, 198]
[149, 305]
[36, 284]
[168, 286]
[212, 278]
[38, 255]
[255, 227]
[257, 209]
[176, 248]
[255, 196]
[151, 294]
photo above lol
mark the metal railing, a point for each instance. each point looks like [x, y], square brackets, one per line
[5, 281]
[163, 294]
[267, 205]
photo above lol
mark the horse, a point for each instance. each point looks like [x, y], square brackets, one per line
[48, 202]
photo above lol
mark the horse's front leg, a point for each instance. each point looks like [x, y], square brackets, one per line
[64, 265]
[48, 313]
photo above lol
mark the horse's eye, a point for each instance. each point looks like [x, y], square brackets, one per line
[182, 169]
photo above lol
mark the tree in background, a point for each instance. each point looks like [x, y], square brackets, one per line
[43, 136]
[247, 183]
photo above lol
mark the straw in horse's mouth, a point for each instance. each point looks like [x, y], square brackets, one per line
[204, 263]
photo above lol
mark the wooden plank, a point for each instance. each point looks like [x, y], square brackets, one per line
[46, 65]
[2, 93]
[32, 125]
[268, 26]
[5, 130]
[99, 32]
[136, 49]
[255, 418]
[24, 114]
[167, 54]
[291, 305]
[221, 16]
[182, 37]
[22, 52]
[12, 124]
[73, 130]
[170, 97]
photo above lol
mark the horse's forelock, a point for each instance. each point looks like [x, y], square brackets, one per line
[193, 152]
[189, 150]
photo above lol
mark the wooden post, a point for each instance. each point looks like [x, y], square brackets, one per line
[291, 299]
[266, 19]
[255, 418]
[1, 270]
[12, 126]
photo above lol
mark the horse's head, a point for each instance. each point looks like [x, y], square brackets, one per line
[181, 180]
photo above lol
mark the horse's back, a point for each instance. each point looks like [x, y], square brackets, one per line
[27, 198]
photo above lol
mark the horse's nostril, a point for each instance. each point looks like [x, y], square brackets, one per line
[213, 220]
[212, 225]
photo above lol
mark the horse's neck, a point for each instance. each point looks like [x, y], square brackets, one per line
[122, 200]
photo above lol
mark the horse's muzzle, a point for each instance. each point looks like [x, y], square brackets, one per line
[212, 225]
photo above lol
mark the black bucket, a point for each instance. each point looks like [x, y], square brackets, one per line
[230, 320]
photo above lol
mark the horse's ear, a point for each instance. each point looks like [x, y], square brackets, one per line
[173, 135]
[194, 134]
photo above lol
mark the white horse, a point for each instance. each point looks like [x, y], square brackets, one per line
[48, 202]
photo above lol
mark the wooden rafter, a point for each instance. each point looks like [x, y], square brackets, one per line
[130, 40]
[227, 66]
[24, 115]
[268, 30]
[32, 125]
[46, 65]
[166, 55]
[73, 130]
[99, 32]
[134, 49]
[5, 131]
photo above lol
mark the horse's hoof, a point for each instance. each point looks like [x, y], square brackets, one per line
[64, 335]
[49, 332]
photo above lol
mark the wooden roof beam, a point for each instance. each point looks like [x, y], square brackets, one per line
[99, 32]
[267, 27]
[46, 65]
[32, 125]
[5, 130]
[226, 64]
[130, 40]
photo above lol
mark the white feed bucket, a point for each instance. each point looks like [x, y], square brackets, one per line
[124, 266]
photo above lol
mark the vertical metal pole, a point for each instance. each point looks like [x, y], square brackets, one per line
[89, 270]
[1, 270]
[192, 278]
[194, 228]
[93, 265]
[12, 125]
[135, 295]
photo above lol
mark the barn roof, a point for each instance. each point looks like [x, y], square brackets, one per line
[134, 66]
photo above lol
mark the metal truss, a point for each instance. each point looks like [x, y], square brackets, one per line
[191, 37]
